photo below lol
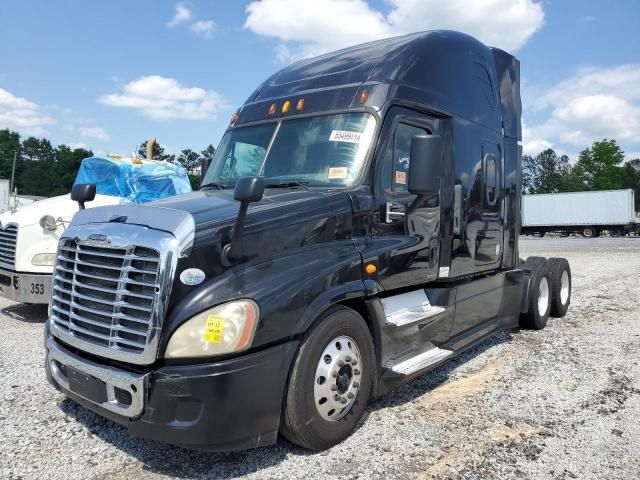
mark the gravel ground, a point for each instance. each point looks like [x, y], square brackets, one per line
[560, 403]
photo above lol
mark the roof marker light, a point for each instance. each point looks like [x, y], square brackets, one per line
[272, 109]
[286, 106]
[299, 104]
[234, 117]
[363, 96]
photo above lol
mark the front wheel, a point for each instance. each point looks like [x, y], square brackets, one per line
[330, 382]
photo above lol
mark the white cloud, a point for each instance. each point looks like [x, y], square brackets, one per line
[204, 28]
[166, 98]
[591, 105]
[95, 132]
[74, 145]
[22, 115]
[182, 14]
[311, 27]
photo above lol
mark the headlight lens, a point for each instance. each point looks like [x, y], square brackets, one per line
[48, 223]
[227, 328]
[43, 259]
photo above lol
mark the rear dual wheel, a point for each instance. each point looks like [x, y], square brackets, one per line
[560, 274]
[330, 382]
[539, 294]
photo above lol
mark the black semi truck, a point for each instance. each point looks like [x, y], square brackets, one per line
[357, 227]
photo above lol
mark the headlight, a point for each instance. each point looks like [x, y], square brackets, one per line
[48, 223]
[43, 259]
[227, 328]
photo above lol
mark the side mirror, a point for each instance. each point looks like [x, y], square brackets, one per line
[83, 192]
[248, 190]
[425, 168]
[204, 167]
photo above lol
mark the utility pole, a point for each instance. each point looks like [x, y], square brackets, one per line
[13, 172]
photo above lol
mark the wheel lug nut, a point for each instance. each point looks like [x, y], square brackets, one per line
[337, 397]
[340, 363]
[334, 374]
[354, 362]
[356, 384]
[334, 388]
[343, 400]
[348, 359]
[356, 372]
[349, 395]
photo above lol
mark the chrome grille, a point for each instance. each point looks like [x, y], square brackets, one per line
[106, 295]
[8, 236]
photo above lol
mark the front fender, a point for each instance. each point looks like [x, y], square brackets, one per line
[291, 290]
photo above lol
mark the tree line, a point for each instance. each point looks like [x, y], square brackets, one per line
[47, 171]
[599, 167]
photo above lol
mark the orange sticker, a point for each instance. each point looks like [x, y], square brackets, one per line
[338, 173]
[401, 177]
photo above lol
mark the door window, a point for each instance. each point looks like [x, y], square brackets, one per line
[395, 166]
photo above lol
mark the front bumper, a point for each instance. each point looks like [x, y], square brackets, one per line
[25, 287]
[226, 405]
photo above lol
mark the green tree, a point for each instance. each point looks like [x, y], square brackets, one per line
[190, 161]
[67, 164]
[208, 152]
[600, 166]
[9, 146]
[545, 173]
[158, 152]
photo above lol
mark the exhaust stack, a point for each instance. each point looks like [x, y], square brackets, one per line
[150, 144]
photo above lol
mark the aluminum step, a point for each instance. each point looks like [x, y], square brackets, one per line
[405, 317]
[421, 361]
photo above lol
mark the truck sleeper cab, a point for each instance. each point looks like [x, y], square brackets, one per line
[358, 226]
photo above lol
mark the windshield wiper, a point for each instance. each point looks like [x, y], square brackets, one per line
[219, 186]
[289, 184]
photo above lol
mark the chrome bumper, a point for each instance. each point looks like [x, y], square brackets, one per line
[60, 360]
[25, 287]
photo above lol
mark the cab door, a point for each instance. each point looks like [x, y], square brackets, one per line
[406, 229]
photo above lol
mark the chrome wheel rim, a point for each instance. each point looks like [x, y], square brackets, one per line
[543, 296]
[564, 287]
[587, 232]
[338, 377]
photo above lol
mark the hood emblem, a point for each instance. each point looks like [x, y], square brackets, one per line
[192, 276]
[99, 237]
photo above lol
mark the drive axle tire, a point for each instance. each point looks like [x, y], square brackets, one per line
[330, 381]
[560, 273]
[589, 232]
[539, 297]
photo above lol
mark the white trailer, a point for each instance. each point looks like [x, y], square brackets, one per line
[586, 213]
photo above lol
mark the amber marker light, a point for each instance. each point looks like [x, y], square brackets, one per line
[364, 95]
[234, 117]
[299, 104]
[272, 109]
[286, 106]
[370, 269]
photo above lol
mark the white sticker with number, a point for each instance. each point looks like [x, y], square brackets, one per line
[344, 136]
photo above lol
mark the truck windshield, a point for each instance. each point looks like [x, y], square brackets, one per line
[326, 150]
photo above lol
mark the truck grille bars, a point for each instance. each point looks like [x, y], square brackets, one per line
[8, 236]
[105, 299]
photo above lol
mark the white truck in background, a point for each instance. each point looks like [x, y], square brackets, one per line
[29, 234]
[585, 213]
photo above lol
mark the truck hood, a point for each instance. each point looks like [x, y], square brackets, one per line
[210, 214]
[58, 207]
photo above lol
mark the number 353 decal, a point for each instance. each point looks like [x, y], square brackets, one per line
[37, 288]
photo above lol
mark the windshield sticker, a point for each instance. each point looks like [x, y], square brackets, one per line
[344, 136]
[338, 173]
[401, 177]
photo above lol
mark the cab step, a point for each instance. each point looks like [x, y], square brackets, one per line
[409, 308]
[420, 361]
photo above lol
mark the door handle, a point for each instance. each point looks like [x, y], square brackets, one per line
[393, 211]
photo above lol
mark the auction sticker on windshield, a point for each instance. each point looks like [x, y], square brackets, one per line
[338, 173]
[344, 136]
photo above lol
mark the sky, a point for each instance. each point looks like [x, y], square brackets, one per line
[108, 74]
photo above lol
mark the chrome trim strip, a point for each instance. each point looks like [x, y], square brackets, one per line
[132, 383]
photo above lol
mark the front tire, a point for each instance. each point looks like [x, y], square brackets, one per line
[330, 381]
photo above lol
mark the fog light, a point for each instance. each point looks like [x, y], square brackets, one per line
[43, 259]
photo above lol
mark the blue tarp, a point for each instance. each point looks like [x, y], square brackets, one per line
[134, 182]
